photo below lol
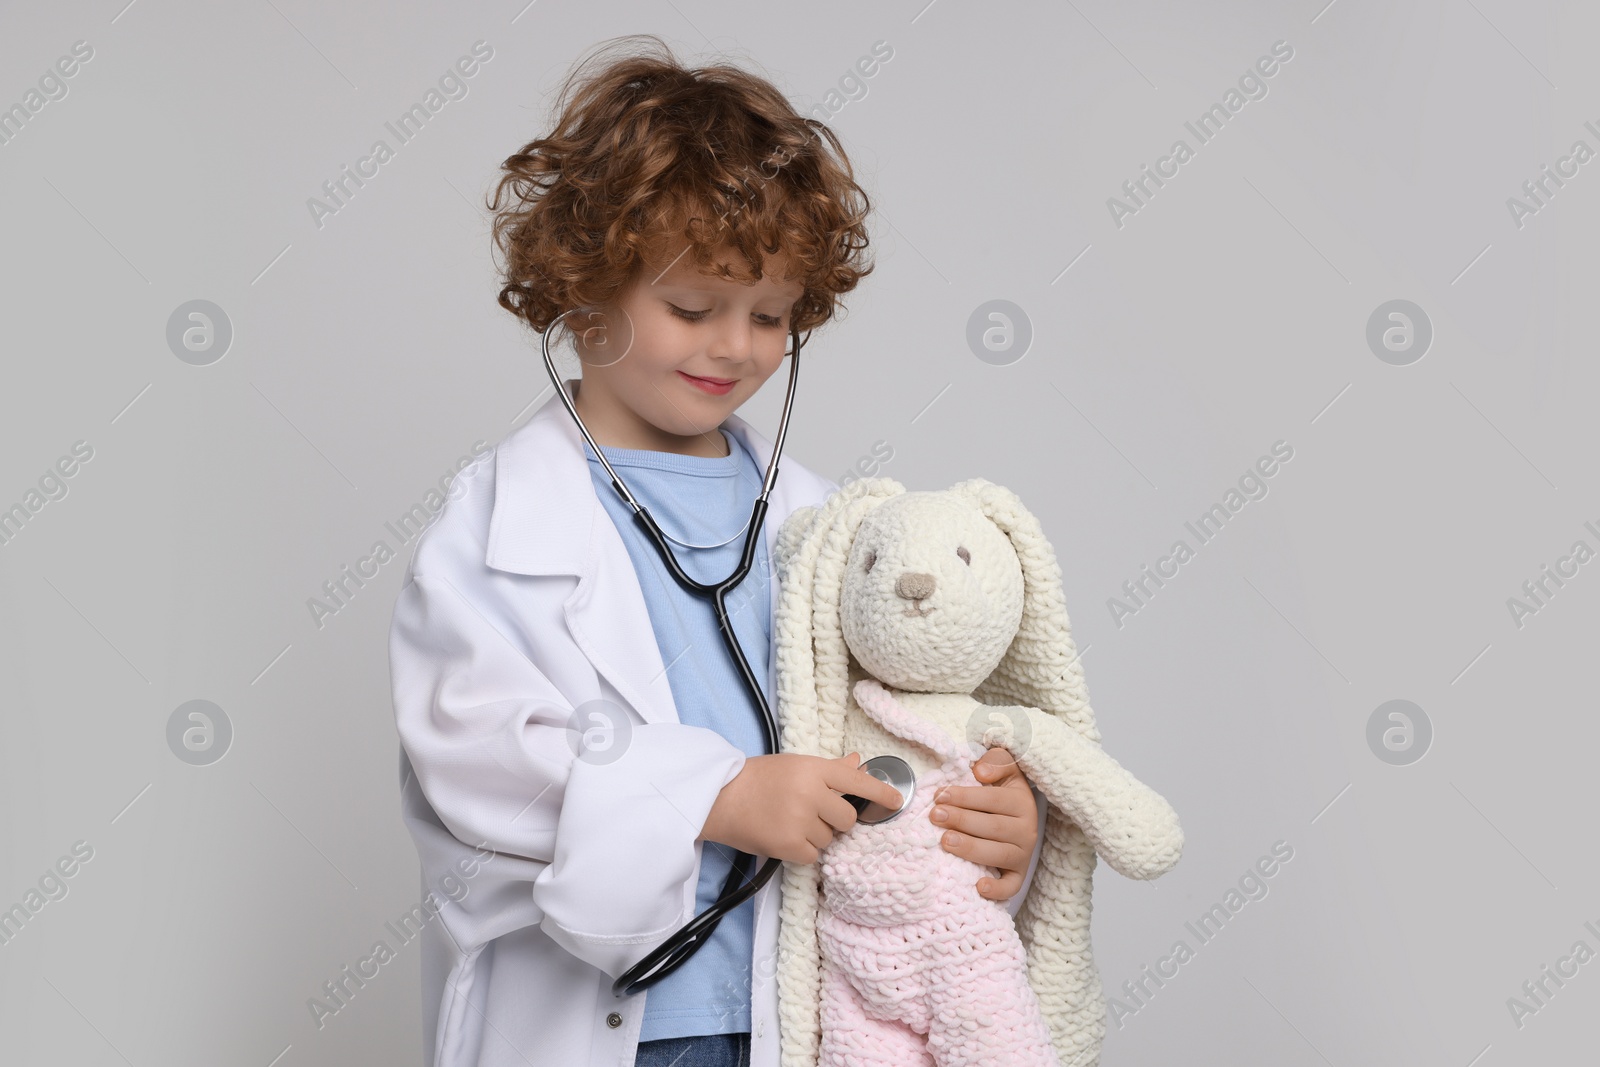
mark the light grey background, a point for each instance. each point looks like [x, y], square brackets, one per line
[1168, 354]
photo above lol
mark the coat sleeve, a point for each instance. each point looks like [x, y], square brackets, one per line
[602, 851]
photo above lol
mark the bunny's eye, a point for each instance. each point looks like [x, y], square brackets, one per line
[872, 557]
[966, 557]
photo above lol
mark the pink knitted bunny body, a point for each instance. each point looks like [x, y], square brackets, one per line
[918, 970]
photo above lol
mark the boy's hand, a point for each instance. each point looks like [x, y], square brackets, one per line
[788, 806]
[995, 827]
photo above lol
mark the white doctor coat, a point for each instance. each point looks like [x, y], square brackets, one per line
[554, 874]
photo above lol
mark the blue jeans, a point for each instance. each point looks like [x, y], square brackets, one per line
[705, 1050]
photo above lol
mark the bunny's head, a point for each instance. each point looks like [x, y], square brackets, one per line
[932, 593]
[951, 591]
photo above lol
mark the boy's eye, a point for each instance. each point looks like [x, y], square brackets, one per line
[696, 316]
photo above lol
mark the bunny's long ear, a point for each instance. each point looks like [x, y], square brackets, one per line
[812, 547]
[1041, 668]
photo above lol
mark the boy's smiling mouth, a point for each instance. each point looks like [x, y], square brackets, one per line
[710, 385]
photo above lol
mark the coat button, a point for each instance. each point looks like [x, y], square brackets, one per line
[613, 1020]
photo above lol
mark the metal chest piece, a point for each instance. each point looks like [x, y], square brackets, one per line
[895, 771]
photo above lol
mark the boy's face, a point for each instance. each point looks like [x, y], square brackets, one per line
[638, 357]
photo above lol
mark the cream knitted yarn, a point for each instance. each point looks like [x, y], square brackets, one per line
[952, 600]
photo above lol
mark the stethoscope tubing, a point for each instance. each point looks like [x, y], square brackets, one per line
[674, 951]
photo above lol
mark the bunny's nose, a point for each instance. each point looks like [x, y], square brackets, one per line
[914, 586]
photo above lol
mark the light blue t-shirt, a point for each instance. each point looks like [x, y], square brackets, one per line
[701, 500]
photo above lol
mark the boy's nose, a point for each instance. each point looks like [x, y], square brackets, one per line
[734, 341]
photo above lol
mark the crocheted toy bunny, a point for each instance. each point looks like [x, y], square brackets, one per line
[931, 626]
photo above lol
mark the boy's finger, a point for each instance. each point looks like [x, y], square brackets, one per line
[1003, 888]
[839, 815]
[996, 767]
[879, 790]
[1003, 801]
[1002, 857]
[980, 827]
[857, 782]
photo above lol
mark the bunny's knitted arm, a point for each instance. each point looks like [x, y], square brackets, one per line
[1128, 823]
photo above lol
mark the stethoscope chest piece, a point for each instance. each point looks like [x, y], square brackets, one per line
[895, 771]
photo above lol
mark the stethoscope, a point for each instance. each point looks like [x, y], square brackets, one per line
[673, 952]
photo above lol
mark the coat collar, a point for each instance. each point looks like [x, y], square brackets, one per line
[545, 508]
[548, 520]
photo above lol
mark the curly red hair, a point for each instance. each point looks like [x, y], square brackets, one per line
[648, 156]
